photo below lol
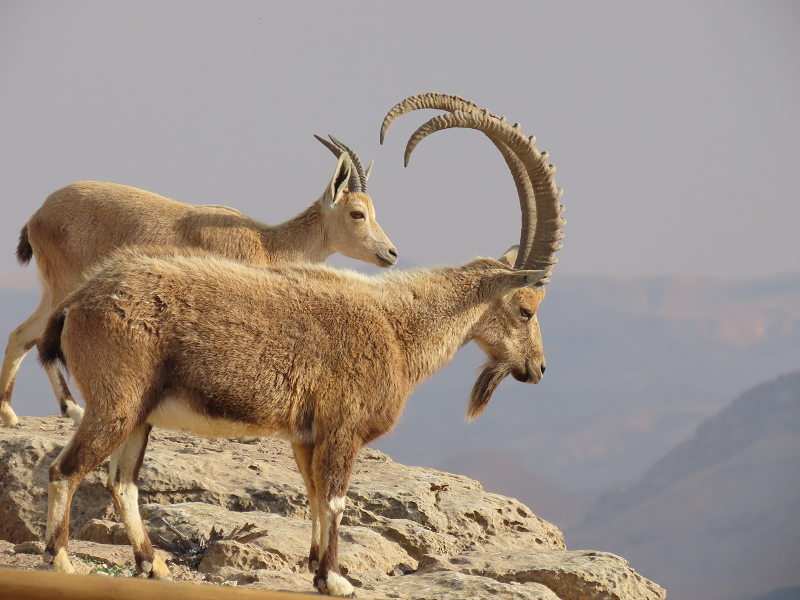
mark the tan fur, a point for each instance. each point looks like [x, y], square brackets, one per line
[80, 224]
[325, 358]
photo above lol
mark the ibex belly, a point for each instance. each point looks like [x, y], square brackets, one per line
[177, 412]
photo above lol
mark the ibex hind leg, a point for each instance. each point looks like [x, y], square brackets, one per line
[303, 455]
[123, 474]
[20, 341]
[92, 443]
[332, 464]
[69, 408]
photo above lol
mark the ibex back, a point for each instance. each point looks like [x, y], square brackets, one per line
[80, 224]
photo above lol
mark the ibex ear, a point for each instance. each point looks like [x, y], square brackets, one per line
[368, 171]
[507, 282]
[510, 257]
[341, 176]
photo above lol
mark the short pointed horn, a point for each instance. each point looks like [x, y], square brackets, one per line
[358, 179]
[543, 239]
[361, 179]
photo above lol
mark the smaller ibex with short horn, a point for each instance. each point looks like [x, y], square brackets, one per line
[79, 225]
[321, 357]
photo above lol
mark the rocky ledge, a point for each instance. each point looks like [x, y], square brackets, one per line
[223, 511]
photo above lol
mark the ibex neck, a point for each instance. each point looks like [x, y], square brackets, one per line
[299, 239]
[439, 316]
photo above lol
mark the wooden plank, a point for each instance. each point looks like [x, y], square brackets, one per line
[26, 584]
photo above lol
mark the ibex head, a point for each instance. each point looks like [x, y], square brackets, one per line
[348, 214]
[509, 331]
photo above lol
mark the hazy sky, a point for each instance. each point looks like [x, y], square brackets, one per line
[674, 127]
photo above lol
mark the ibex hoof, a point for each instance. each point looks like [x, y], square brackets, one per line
[334, 585]
[156, 568]
[9, 418]
[61, 562]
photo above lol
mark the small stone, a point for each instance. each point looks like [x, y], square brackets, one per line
[29, 548]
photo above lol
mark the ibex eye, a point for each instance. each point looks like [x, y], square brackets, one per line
[525, 313]
[357, 214]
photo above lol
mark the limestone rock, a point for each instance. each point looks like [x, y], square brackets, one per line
[576, 575]
[284, 545]
[407, 532]
[25, 457]
[103, 532]
[426, 511]
[446, 585]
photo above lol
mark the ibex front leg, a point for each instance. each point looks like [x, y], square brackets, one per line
[332, 464]
[304, 454]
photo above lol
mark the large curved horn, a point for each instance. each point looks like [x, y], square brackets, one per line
[452, 103]
[439, 101]
[358, 179]
[538, 244]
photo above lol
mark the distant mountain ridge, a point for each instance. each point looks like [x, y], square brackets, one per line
[770, 408]
[716, 517]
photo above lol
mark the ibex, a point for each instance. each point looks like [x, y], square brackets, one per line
[80, 224]
[322, 357]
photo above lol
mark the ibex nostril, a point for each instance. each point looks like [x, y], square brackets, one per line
[543, 368]
[393, 252]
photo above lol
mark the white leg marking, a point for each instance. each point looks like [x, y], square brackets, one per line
[314, 522]
[128, 495]
[338, 585]
[75, 413]
[124, 489]
[336, 506]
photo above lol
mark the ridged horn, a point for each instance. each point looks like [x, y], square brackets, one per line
[539, 238]
[432, 100]
[452, 103]
[358, 179]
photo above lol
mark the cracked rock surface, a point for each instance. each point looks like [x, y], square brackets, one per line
[407, 532]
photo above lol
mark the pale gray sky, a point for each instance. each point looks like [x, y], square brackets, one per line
[674, 126]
